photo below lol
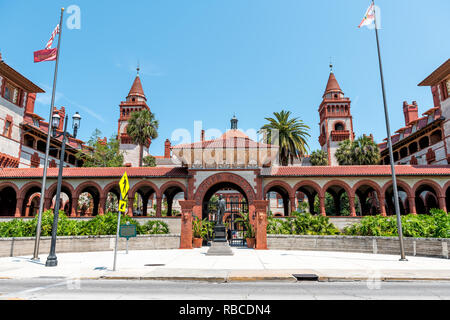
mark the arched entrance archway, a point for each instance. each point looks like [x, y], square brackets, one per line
[240, 195]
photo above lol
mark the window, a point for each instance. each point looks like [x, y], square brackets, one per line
[11, 93]
[448, 88]
[339, 126]
[7, 129]
[36, 122]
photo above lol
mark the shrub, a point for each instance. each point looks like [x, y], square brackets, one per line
[100, 225]
[436, 225]
[301, 224]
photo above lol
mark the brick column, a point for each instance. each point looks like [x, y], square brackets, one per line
[261, 224]
[19, 204]
[73, 210]
[442, 204]
[352, 206]
[158, 206]
[412, 205]
[186, 223]
[292, 202]
[130, 206]
[101, 206]
[47, 203]
[382, 207]
[322, 206]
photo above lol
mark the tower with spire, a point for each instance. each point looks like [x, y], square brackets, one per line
[135, 101]
[336, 123]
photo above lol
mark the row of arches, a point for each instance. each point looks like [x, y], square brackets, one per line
[337, 198]
[89, 199]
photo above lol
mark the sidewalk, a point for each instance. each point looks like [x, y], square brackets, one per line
[245, 265]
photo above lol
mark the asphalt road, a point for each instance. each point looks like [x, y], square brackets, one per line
[61, 289]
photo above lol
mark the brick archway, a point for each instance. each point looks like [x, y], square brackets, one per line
[10, 205]
[284, 190]
[377, 188]
[224, 177]
[170, 184]
[26, 196]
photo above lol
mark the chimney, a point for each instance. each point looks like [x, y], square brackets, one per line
[29, 108]
[202, 136]
[167, 146]
[410, 111]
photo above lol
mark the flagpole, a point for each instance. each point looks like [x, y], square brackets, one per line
[44, 176]
[391, 157]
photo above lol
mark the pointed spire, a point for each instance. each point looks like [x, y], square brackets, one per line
[332, 85]
[136, 88]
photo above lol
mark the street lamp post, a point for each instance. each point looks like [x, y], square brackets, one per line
[52, 261]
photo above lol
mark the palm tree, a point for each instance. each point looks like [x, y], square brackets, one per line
[319, 158]
[292, 135]
[365, 151]
[344, 154]
[141, 128]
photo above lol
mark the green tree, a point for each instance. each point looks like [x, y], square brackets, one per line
[101, 153]
[142, 127]
[149, 161]
[319, 158]
[292, 135]
[362, 151]
[365, 151]
[344, 154]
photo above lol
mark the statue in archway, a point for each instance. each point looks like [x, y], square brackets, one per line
[221, 205]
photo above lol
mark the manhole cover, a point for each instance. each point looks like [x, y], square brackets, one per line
[306, 277]
[154, 264]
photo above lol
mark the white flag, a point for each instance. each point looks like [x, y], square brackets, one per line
[369, 17]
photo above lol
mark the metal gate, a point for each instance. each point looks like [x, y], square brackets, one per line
[235, 229]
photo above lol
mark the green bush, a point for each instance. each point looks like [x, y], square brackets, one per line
[99, 225]
[436, 225]
[301, 224]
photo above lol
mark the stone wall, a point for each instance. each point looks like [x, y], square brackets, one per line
[10, 247]
[427, 247]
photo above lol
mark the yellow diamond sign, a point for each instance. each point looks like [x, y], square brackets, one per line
[122, 205]
[124, 185]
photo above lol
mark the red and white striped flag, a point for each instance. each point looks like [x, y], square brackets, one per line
[369, 17]
[48, 54]
[54, 33]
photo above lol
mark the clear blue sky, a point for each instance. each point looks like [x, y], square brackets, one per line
[207, 59]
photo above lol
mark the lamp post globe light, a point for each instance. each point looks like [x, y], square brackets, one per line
[52, 261]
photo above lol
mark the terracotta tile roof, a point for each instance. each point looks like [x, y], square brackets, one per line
[332, 85]
[232, 142]
[377, 170]
[95, 172]
[136, 88]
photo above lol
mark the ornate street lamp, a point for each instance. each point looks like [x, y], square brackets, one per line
[52, 261]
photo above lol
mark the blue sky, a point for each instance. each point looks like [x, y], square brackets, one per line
[207, 59]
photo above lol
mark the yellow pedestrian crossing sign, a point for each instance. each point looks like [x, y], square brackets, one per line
[124, 185]
[122, 206]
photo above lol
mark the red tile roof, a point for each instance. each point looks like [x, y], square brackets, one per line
[136, 88]
[332, 85]
[226, 141]
[377, 170]
[95, 172]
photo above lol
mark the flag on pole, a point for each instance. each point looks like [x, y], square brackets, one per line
[48, 54]
[54, 33]
[369, 17]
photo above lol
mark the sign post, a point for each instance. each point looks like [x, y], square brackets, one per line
[124, 187]
[127, 231]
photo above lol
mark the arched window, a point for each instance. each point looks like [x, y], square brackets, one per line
[339, 126]
[412, 148]
[424, 142]
[435, 137]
